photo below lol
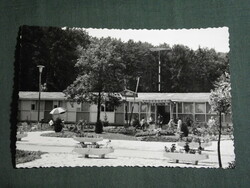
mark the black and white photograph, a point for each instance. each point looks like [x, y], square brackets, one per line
[124, 97]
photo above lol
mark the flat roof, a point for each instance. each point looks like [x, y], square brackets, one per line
[175, 97]
[33, 95]
[143, 97]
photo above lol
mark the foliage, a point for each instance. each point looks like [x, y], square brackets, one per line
[154, 133]
[220, 97]
[220, 101]
[231, 165]
[161, 138]
[121, 130]
[100, 76]
[27, 156]
[66, 53]
[53, 47]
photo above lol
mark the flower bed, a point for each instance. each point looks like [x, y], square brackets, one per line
[65, 134]
[160, 138]
[154, 133]
[120, 130]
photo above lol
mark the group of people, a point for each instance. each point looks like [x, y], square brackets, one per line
[182, 128]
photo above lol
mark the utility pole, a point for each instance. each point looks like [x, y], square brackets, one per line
[159, 64]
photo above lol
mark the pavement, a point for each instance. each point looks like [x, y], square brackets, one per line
[126, 153]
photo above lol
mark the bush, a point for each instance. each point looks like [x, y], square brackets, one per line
[154, 133]
[27, 156]
[121, 130]
[161, 138]
[231, 165]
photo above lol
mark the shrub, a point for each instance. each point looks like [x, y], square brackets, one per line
[27, 156]
[231, 165]
[161, 138]
[121, 130]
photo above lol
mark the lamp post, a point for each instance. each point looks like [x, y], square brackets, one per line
[159, 65]
[40, 67]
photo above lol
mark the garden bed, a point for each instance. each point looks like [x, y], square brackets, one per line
[27, 156]
[160, 138]
[65, 134]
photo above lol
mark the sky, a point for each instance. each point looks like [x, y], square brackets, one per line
[217, 38]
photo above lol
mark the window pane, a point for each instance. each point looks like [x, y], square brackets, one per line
[136, 108]
[179, 107]
[143, 107]
[200, 108]
[174, 109]
[109, 107]
[208, 108]
[188, 108]
[152, 108]
[120, 108]
[200, 118]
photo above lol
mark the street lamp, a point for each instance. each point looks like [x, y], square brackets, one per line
[40, 67]
[159, 66]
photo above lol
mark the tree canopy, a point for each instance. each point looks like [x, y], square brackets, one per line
[55, 48]
[61, 50]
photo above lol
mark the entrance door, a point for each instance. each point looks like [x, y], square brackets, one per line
[164, 111]
[47, 110]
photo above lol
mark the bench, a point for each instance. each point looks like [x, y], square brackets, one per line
[195, 144]
[194, 158]
[91, 147]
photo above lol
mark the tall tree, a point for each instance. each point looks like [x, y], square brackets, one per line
[100, 76]
[53, 47]
[220, 101]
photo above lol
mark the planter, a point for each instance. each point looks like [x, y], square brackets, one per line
[195, 144]
[93, 151]
[87, 139]
[19, 136]
[92, 148]
[194, 158]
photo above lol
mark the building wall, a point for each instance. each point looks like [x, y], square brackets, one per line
[28, 111]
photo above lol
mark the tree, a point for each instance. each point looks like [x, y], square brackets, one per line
[53, 47]
[100, 76]
[220, 101]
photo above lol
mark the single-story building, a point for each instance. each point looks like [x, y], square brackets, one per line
[144, 105]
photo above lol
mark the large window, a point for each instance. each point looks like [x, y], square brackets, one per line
[179, 108]
[200, 108]
[143, 108]
[188, 108]
[33, 106]
[200, 118]
[108, 107]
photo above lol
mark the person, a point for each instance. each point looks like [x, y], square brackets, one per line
[143, 123]
[51, 122]
[171, 123]
[179, 124]
[160, 120]
[58, 125]
[184, 130]
[211, 122]
[150, 120]
[189, 121]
